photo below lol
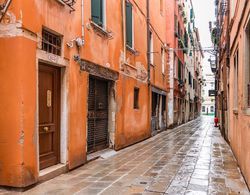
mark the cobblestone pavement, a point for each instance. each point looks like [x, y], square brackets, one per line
[191, 159]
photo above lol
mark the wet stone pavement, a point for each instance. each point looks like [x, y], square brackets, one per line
[191, 159]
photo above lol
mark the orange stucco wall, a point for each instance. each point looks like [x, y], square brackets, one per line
[18, 75]
[132, 125]
[18, 151]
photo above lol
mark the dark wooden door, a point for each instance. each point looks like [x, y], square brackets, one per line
[49, 115]
[97, 115]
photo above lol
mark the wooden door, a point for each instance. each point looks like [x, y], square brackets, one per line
[97, 115]
[49, 115]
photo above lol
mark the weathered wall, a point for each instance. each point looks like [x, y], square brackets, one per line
[171, 43]
[239, 127]
[19, 69]
[132, 124]
[18, 107]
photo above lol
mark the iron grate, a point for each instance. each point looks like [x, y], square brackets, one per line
[51, 43]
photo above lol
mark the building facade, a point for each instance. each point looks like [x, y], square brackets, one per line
[208, 101]
[79, 77]
[233, 78]
[185, 61]
[80, 81]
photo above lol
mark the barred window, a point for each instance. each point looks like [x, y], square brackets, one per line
[51, 43]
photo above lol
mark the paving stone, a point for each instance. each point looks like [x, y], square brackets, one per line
[191, 159]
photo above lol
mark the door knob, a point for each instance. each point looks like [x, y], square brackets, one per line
[46, 129]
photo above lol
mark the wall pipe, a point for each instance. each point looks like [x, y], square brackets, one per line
[82, 18]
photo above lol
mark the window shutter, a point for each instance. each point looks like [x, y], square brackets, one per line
[191, 14]
[96, 12]
[189, 79]
[129, 27]
[179, 70]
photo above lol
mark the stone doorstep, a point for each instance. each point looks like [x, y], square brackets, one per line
[51, 172]
[104, 154]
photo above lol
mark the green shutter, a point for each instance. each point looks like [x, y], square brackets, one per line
[129, 27]
[191, 14]
[179, 70]
[96, 12]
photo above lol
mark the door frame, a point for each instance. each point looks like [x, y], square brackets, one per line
[43, 58]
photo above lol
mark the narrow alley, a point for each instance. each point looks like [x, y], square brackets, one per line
[190, 159]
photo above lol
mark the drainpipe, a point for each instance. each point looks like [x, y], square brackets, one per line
[148, 63]
[148, 42]
[124, 30]
[82, 18]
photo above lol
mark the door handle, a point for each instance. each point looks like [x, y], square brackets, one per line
[46, 129]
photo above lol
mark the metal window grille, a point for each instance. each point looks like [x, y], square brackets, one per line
[51, 43]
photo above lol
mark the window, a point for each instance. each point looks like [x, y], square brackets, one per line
[97, 10]
[212, 109]
[235, 88]
[189, 78]
[151, 48]
[191, 14]
[203, 109]
[51, 43]
[154, 104]
[129, 25]
[176, 25]
[163, 61]
[136, 98]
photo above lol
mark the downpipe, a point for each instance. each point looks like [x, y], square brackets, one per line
[148, 66]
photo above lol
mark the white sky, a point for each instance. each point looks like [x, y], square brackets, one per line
[204, 12]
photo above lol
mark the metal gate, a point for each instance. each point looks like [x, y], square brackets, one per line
[97, 115]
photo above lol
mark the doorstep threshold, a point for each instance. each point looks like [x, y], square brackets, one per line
[103, 154]
[51, 172]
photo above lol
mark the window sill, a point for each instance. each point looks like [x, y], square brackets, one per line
[132, 50]
[100, 30]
